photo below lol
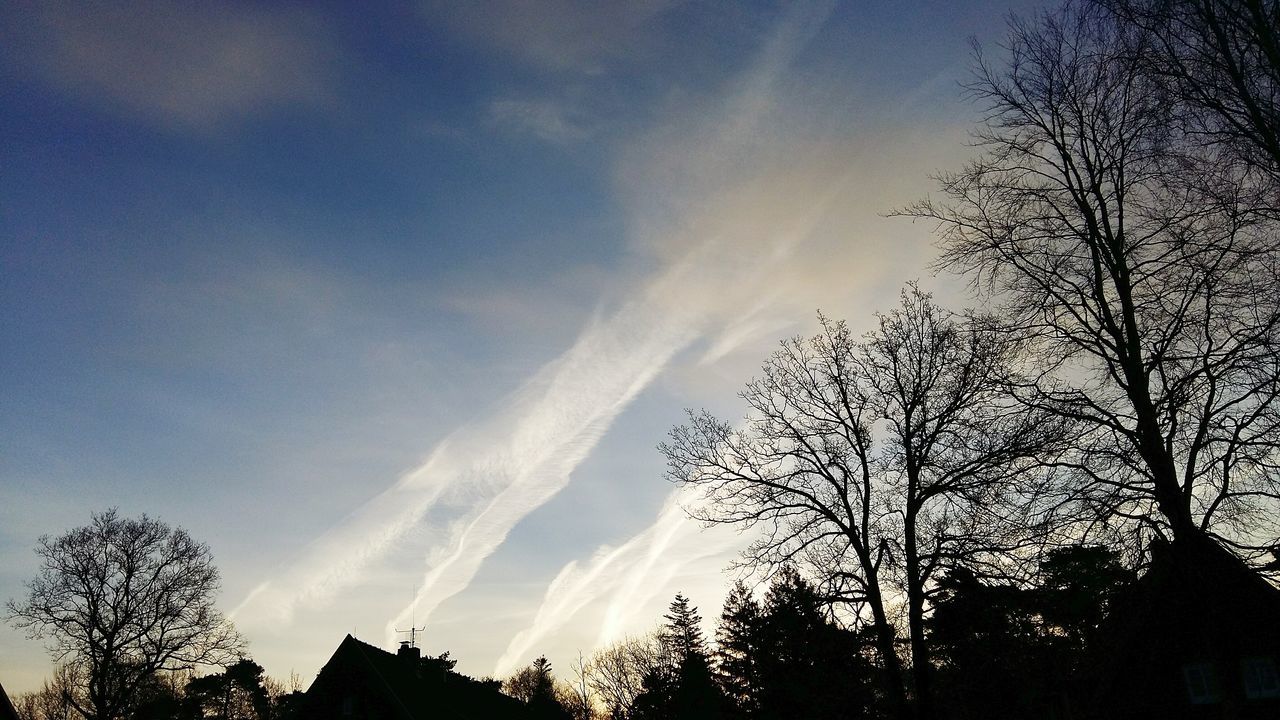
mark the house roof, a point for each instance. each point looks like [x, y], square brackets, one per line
[1196, 602]
[416, 690]
[7, 711]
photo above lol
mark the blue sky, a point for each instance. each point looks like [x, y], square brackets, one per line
[391, 304]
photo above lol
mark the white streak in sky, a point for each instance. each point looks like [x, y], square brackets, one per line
[502, 469]
[626, 578]
[611, 362]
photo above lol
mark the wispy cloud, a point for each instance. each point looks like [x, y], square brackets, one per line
[544, 119]
[578, 36]
[500, 470]
[621, 582]
[184, 66]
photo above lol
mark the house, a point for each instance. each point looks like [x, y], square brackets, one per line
[1197, 638]
[7, 711]
[363, 682]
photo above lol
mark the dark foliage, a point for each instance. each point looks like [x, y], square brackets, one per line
[119, 601]
[786, 658]
[1007, 651]
[235, 694]
[738, 650]
[681, 685]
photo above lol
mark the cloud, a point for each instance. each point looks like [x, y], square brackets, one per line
[578, 36]
[189, 66]
[497, 471]
[748, 220]
[544, 119]
[621, 583]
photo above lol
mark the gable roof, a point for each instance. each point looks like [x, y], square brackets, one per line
[1196, 602]
[415, 689]
[7, 711]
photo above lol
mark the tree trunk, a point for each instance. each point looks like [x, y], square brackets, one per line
[921, 669]
[1159, 461]
[885, 637]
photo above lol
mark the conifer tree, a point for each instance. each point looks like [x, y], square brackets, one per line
[535, 685]
[737, 646]
[683, 630]
[806, 665]
[684, 688]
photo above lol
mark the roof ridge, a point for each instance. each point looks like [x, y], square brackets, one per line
[371, 646]
[391, 690]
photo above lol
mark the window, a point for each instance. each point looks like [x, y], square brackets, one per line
[1202, 683]
[348, 705]
[1260, 677]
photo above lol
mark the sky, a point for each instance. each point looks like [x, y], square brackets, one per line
[390, 304]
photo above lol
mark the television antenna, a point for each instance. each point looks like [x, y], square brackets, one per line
[413, 634]
[413, 629]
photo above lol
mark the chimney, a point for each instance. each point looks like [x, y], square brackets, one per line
[409, 653]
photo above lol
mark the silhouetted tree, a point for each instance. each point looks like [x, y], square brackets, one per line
[237, 693]
[529, 681]
[989, 649]
[617, 673]
[437, 666]
[159, 697]
[576, 696]
[876, 464]
[1223, 58]
[657, 697]
[289, 706]
[1146, 273]
[120, 600]
[1010, 651]
[1077, 587]
[738, 651]
[683, 686]
[806, 665]
[51, 701]
[535, 685]
[682, 632]
[578, 705]
[286, 698]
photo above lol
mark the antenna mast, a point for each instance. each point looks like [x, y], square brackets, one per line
[413, 629]
[413, 634]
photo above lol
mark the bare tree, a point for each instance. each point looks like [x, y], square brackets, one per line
[576, 696]
[616, 673]
[52, 701]
[525, 683]
[572, 698]
[121, 600]
[1223, 58]
[876, 465]
[1143, 266]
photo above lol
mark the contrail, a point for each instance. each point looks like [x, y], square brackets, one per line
[504, 468]
[598, 377]
[627, 578]
[588, 387]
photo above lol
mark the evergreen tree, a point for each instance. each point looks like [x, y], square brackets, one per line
[657, 698]
[697, 697]
[1006, 651]
[683, 687]
[234, 694]
[990, 655]
[806, 665]
[737, 646]
[535, 685]
[683, 631]
[1078, 585]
